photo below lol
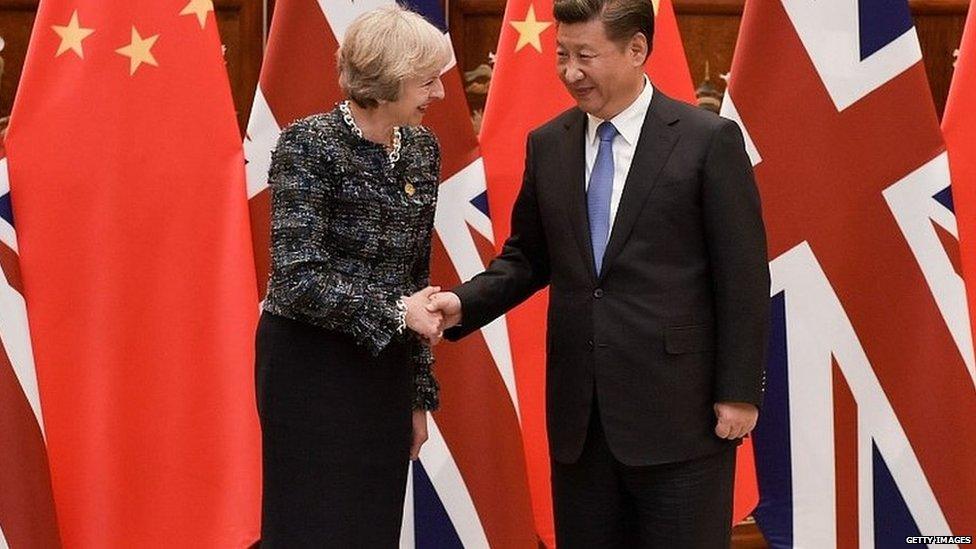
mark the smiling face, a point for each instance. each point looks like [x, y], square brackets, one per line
[416, 94]
[602, 75]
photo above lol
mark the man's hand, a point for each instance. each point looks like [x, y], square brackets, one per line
[419, 433]
[447, 304]
[427, 323]
[735, 419]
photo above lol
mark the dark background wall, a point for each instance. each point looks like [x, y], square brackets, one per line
[708, 29]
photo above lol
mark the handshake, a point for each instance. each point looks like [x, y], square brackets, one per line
[431, 311]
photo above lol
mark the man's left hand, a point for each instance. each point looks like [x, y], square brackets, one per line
[735, 419]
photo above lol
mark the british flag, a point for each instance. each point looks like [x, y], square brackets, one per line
[867, 435]
[469, 488]
[27, 516]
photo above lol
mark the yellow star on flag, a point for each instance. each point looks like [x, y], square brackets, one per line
[200, 8]
[71, 36]
[529, 30]
[138, 51]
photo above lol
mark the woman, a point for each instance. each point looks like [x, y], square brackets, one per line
[344, 376]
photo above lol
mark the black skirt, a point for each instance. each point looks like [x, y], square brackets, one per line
[336, 432]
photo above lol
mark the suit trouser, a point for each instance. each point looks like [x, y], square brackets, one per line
[600, 502]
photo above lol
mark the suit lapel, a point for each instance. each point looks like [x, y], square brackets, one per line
[657, 140]
[574, 152]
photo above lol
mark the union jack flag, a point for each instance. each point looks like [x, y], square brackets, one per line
[469, 488]
[867, 433]
[27, 516]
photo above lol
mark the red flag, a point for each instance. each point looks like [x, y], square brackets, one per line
[525, 93]
[959, 130]
[27, 517]
[127, 177]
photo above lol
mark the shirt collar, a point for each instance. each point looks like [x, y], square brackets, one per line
[630, 120]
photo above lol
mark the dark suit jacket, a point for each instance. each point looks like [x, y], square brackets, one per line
[678, 318]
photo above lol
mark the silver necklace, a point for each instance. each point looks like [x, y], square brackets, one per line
[394, 153]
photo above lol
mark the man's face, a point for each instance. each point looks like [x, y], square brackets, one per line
[601, 75]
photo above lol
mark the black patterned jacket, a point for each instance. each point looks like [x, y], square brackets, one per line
[350, 234]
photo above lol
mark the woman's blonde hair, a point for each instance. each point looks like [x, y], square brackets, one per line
[383, 47]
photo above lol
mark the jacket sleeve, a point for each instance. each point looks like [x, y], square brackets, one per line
[300, 188]
[426, 388]
[520, 270]
[736, 242]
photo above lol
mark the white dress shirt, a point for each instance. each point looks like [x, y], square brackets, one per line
[628, 123]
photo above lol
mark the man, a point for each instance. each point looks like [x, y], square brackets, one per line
[642, 216]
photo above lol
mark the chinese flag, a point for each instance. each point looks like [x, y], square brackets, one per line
[127, 179]
[959, 130]
[525, 93]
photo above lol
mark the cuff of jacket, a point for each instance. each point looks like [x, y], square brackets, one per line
[379, 333]
[470, 322]
[750, 396]
[426, 389]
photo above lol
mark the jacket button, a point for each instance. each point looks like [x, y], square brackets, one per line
[598, 293]
[589, 344]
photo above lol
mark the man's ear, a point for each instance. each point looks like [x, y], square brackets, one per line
[639, 48]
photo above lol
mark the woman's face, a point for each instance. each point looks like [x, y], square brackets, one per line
[416, 94]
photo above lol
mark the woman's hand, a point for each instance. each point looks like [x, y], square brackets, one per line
[427, 324]
[419, 433]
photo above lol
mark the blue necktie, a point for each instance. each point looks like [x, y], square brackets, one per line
[598, 193]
